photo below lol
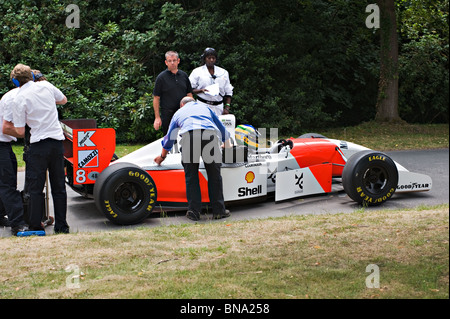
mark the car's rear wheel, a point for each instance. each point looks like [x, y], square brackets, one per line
[125, 193]
[311, 135]
[370, 178]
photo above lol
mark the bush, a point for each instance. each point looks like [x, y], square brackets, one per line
[296, 65]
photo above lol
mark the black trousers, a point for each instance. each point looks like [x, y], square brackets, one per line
[205, 144]
[166, 117]
[10, 198]
[46, 155]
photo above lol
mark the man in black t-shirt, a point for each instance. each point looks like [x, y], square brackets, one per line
[170, 87]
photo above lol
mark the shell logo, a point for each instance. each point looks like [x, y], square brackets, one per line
[250, 177]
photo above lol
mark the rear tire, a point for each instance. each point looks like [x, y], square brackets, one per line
[311, 135]
[370, 178]
[125, 193]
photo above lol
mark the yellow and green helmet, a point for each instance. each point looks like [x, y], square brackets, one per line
[247, 135]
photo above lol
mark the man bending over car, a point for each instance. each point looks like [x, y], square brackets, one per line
[200, 130]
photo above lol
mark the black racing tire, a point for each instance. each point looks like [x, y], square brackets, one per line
[370, 178]
[125, 193]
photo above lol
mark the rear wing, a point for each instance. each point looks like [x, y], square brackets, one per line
[88, 149]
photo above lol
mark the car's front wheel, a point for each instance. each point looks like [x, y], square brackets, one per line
[125, 193]
[370, 178]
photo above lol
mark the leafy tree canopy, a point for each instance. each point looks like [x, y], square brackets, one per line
[296, 65]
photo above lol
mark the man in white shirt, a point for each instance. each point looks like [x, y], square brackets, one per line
[35, 106]
[10, 199]
[212, 84]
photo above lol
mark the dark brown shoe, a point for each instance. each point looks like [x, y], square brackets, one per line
[193, 215]
[225, 214]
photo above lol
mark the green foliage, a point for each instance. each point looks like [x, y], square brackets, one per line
[295, 64]
[424, 91]
[424, 73]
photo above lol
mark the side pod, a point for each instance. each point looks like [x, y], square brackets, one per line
[311, 180]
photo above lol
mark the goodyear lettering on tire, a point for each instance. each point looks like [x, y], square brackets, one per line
[148, 182]
[369, 200]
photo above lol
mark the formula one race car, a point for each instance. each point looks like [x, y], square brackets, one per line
[127, 190]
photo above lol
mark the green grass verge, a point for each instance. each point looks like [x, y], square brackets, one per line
[296, 257]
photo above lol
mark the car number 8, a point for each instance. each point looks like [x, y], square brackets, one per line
[81, 176]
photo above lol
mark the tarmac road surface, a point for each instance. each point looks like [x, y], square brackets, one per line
[83, 216]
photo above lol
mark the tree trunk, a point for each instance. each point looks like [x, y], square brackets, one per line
[387, 102]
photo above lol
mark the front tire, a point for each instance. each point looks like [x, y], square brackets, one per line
[125, 193]
[370, 178]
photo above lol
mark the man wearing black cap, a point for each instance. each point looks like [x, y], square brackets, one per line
[212, 84]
